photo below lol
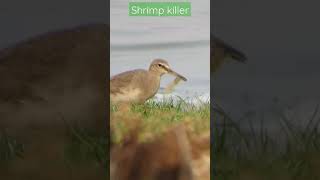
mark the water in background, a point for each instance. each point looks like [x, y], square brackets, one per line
[183, 41]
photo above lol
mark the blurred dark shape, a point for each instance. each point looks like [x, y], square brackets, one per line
[50, 83]
[55, 76]
[221, 51]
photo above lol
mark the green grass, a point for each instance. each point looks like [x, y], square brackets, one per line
[258, 154]
[10, 148]
[82, 149]
[79, 154]
[156, 117]
[85, 147]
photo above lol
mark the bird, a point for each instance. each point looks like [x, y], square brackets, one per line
[221, 51]
[139, 85]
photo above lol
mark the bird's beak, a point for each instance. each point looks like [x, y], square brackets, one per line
[170, 71]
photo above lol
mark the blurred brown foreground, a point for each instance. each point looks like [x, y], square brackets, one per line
[48, 84]
[176, 154]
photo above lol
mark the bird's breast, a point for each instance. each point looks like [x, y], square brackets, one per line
[152, 85]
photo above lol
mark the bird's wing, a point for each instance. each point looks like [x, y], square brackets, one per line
[121, 80]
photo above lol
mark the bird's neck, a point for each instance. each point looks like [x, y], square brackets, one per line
[155, 73]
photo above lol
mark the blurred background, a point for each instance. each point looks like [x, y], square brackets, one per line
[265, 123]
[53, 66]
[23, 19]
[280, 39]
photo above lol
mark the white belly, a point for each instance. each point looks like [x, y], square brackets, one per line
[126, 95]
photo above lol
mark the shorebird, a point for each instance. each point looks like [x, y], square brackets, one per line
[221, 52]
[137, 86]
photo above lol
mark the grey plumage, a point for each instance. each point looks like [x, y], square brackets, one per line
[137, 86]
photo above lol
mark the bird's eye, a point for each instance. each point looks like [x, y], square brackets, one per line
[159, 65]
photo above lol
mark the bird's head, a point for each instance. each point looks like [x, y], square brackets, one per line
[162, 67]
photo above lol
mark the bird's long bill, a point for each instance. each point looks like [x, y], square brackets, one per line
[170, 71]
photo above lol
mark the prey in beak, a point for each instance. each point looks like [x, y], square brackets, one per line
[170, 87]
[170, 71]
[162, 67]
